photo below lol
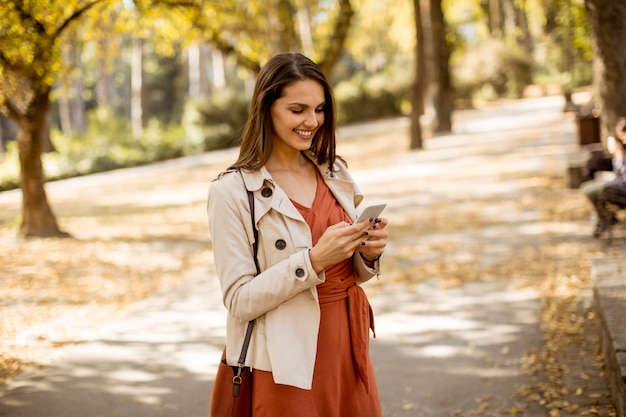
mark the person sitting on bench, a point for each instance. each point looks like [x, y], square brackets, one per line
[601, 193]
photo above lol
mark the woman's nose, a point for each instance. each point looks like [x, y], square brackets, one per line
[311, 119]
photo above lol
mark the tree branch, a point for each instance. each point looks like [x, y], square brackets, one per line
[15, 66]
[27, 16]
[229, 49]
[12, 110]
[211, 34]
[335, 46]
[78, 13]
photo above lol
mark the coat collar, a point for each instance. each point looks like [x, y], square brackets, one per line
[337, 180]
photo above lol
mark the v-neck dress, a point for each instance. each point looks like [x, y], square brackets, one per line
[344, 384]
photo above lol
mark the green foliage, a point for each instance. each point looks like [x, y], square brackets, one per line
[163, 86]
[493, 69]
[215, 122]
[382, 32]
[109, 144]
[371, 97]
[29, 34]
[9, 168]
[492, 65]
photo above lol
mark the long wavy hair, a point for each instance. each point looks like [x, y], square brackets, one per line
[279, 72]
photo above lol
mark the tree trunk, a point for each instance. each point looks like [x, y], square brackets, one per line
[65, 113]
[37, 217]
[205, 85]
[608, 30]
[551, 12]
[521, 22]
[304, 31]
[3, 147]
[419, 82]
[65, 104]
[442, 94]
[493, 11]
[104, 84]
[287, 33]
[219, 72]
[72, 112]
[193, 64]
[136, 106]
[342, 25]
[79, 110]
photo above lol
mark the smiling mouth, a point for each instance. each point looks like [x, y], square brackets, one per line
[305, 133]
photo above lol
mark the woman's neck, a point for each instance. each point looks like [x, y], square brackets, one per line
[287, 161]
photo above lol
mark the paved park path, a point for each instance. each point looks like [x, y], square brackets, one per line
[439, 351]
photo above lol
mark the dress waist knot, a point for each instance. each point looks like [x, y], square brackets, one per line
[361, 319]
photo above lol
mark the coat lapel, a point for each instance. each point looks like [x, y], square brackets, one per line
[256, 181]
[343, 189]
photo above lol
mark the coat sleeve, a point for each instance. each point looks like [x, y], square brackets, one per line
[245, 295]
[363, 272]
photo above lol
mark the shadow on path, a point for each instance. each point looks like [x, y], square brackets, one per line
[439, 352]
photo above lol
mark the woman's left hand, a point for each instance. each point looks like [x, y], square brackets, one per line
[376, 239]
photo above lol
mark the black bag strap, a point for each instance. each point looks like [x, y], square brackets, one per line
[246, 340]
[255, 247]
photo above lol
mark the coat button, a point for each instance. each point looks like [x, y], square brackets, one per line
[299, 272]
[280, 244]
[266, 192]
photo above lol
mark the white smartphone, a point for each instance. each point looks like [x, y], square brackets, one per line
[371, 211]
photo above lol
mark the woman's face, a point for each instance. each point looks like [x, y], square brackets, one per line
[298, 114]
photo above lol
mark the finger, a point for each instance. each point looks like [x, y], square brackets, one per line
[339, 225]
[378, 244]
[379, 223]
[377, 234]
[359, 229]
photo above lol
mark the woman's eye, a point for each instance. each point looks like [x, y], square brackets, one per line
[296, 111]
[319, 110]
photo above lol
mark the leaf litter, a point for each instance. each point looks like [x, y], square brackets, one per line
[56, 291]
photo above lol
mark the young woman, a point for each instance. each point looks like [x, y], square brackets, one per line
[309, 349]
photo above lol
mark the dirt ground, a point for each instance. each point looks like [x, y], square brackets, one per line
[132, 236]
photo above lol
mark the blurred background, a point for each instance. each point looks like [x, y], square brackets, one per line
[88, 86]
[132, 82]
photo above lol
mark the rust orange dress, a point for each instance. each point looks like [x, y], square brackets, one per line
[344, 384]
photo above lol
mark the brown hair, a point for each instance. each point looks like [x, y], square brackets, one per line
[279, 72]
[620, 127]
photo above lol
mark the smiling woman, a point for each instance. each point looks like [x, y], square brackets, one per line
[301, 111]
[309, 346]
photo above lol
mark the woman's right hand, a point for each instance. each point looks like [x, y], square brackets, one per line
[338, 242]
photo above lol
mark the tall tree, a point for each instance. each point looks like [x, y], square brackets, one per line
[521, 29]
[607, 21]
[30, 34]
[136, 86]
[251, 32]
[495, 18]
[336, 41]
[441, 83]
[419, 82]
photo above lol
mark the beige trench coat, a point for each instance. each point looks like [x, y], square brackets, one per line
[283, 298]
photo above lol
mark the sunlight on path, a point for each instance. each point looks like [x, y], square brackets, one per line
[452, 324]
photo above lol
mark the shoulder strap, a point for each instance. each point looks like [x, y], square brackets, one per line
[255, 244]
[255, 247]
